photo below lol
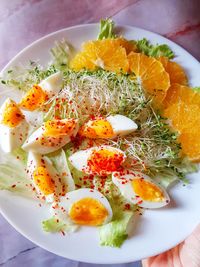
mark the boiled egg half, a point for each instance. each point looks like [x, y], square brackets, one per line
[83, 207]
[102, 160]
[13, 126]
[140, 189]
[51, 136]
[41, 92]
[47, 181]
[110, 127]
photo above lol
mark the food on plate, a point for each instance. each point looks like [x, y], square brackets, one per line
[100, 160]
[139, 189]
[13, 126]
[83, 207]
[51, 136]
[110, 127]
[99, 136]
[40, 93]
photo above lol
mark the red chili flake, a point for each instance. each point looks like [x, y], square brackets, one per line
[63, 233]
[91, 190]
[127, 206]
[140, 202]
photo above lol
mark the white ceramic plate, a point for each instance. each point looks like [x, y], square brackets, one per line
[156, 230]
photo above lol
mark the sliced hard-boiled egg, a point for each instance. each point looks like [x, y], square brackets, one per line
[46, 179]
[110, 127]
[100, 160]
[52, 84]
[140, 189]
[83, 207]
[51, 136]
[13, 126]
[40, 93]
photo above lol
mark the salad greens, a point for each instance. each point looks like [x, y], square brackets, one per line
[54, 225]
[114, 233]
[148, 49]
[106, 29]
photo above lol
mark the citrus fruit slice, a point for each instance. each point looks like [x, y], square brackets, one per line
[154, 79]
[183, 93]
[107, 54]
[184, 117]
[175, 71]
[190, 143]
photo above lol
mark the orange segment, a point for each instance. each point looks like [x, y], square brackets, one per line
[179, 92]
[88, 211]
[56, 128]
[130, 46]
[154, 78]
[12, 115]
[184, 117]
[190, 143]
[106, 54]
[43, 180]
[175, 71]
[33, 99]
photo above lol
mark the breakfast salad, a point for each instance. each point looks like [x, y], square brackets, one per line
[99, 135]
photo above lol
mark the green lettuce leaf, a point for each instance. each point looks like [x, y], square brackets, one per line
[106, 29]
[60, 163]
[13, 176]
[115, 233]
[61, 53]
[197, 89]
[148, 49]
[54, 225]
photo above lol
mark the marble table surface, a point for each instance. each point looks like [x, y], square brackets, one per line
[22, 22]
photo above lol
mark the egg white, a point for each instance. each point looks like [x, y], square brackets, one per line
[123, 182]
[121, 125]
[52, 84]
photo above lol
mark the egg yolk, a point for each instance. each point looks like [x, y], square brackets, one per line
[88, 211]
[55, 128]
[147, 191]
[97, 129]
[43, 180]
[33, 99]
[12, 115]
[105, 160]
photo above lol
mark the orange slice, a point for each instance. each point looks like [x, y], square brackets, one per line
[184, 117]
[154, 78]
[190, 143]
[183, 93]
[130, 46]
[107, 54]
[175, 71]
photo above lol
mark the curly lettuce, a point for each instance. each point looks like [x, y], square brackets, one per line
[148, 49]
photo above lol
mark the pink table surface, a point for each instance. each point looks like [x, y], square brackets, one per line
[23, 21]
